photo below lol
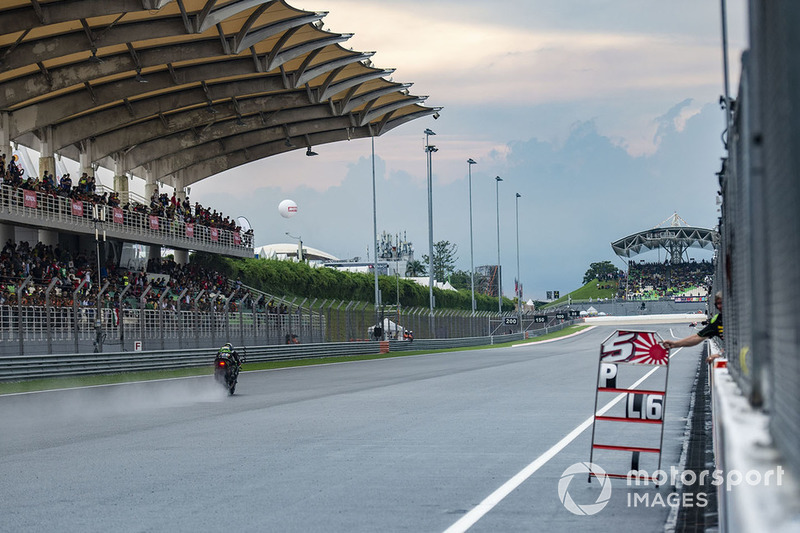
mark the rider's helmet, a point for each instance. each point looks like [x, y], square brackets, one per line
[226, 349]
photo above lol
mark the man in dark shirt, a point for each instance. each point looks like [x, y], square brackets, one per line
[713, 329]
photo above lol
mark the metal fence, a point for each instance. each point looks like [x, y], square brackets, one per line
[21, 367]
[48, 329]
[758, 270]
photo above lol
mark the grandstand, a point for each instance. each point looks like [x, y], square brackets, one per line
[169, 92]
[678, 276]
[653, 281]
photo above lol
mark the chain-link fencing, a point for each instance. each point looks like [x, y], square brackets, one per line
[758, 267]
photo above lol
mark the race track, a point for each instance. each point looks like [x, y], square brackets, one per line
[403, 444]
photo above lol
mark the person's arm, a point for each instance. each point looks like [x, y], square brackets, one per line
[691, 340]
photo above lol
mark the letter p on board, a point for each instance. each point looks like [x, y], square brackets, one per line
[608, 376]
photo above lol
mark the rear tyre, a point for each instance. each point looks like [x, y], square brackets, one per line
[231, 380]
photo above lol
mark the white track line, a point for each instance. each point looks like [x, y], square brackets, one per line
[534, 342]
[469, 519]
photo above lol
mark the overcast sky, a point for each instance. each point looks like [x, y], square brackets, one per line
[602, 114]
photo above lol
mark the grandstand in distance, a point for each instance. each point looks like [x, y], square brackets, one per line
[674, 235]
[678, 276]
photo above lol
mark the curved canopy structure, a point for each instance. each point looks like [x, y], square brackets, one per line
[285, 250]
[675, 238]
[179, 90]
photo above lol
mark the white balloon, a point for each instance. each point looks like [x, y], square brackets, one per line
[287, 208]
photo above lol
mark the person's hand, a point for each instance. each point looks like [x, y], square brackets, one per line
[668, 345]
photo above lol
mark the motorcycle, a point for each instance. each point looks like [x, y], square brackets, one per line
[226, 371]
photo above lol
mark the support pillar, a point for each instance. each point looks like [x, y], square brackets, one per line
[177, 185]
[5, 136]
[7, 232]
[181, 256]
[48, 237]
[47, 161]
[154, 252]
[85, 158]
[150, 185]
[178, 181]
[121, 181]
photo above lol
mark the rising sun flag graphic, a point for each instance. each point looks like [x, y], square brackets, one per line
[634, 347]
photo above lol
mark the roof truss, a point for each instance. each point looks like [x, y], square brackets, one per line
[187, 86]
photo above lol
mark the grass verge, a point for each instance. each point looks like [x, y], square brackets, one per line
[109, 379]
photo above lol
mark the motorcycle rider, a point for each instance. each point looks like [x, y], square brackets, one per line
[233, 354]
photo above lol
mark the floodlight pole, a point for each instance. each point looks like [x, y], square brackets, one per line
[429, 149]
[471, 162]
[497, 180]
[98, 214]
[300, 257]
[375, 240]
[518, 284]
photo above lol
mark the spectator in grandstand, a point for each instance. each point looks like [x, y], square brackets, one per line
[66, 184]
[712, 329]
[15, 172]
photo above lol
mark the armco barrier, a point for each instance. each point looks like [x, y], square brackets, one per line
[44, 366]
[21, 367]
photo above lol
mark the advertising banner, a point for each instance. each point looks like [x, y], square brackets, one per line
[29, 199]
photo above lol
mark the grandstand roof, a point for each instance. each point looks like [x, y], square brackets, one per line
[674, 235]
[185, 89]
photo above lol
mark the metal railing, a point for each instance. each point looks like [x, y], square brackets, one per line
[760, 225]
[48, 210]
[164, 321]
[23, 367]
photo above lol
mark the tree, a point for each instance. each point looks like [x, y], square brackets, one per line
[460, 280]
[603, 270]
[414, 269]
[444, 259]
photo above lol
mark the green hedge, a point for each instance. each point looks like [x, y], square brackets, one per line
[284, 278]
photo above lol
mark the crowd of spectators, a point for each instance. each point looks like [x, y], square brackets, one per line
[86, 190]
[76, 283]
[652, 281]
[44, 263]
[173, 208]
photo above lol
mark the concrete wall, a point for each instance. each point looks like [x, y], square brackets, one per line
[619, 308]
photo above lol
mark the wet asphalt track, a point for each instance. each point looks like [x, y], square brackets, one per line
[402, 444]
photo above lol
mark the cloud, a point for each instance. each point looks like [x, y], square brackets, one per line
[578, 195]
[548, 53]
[601, 114]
